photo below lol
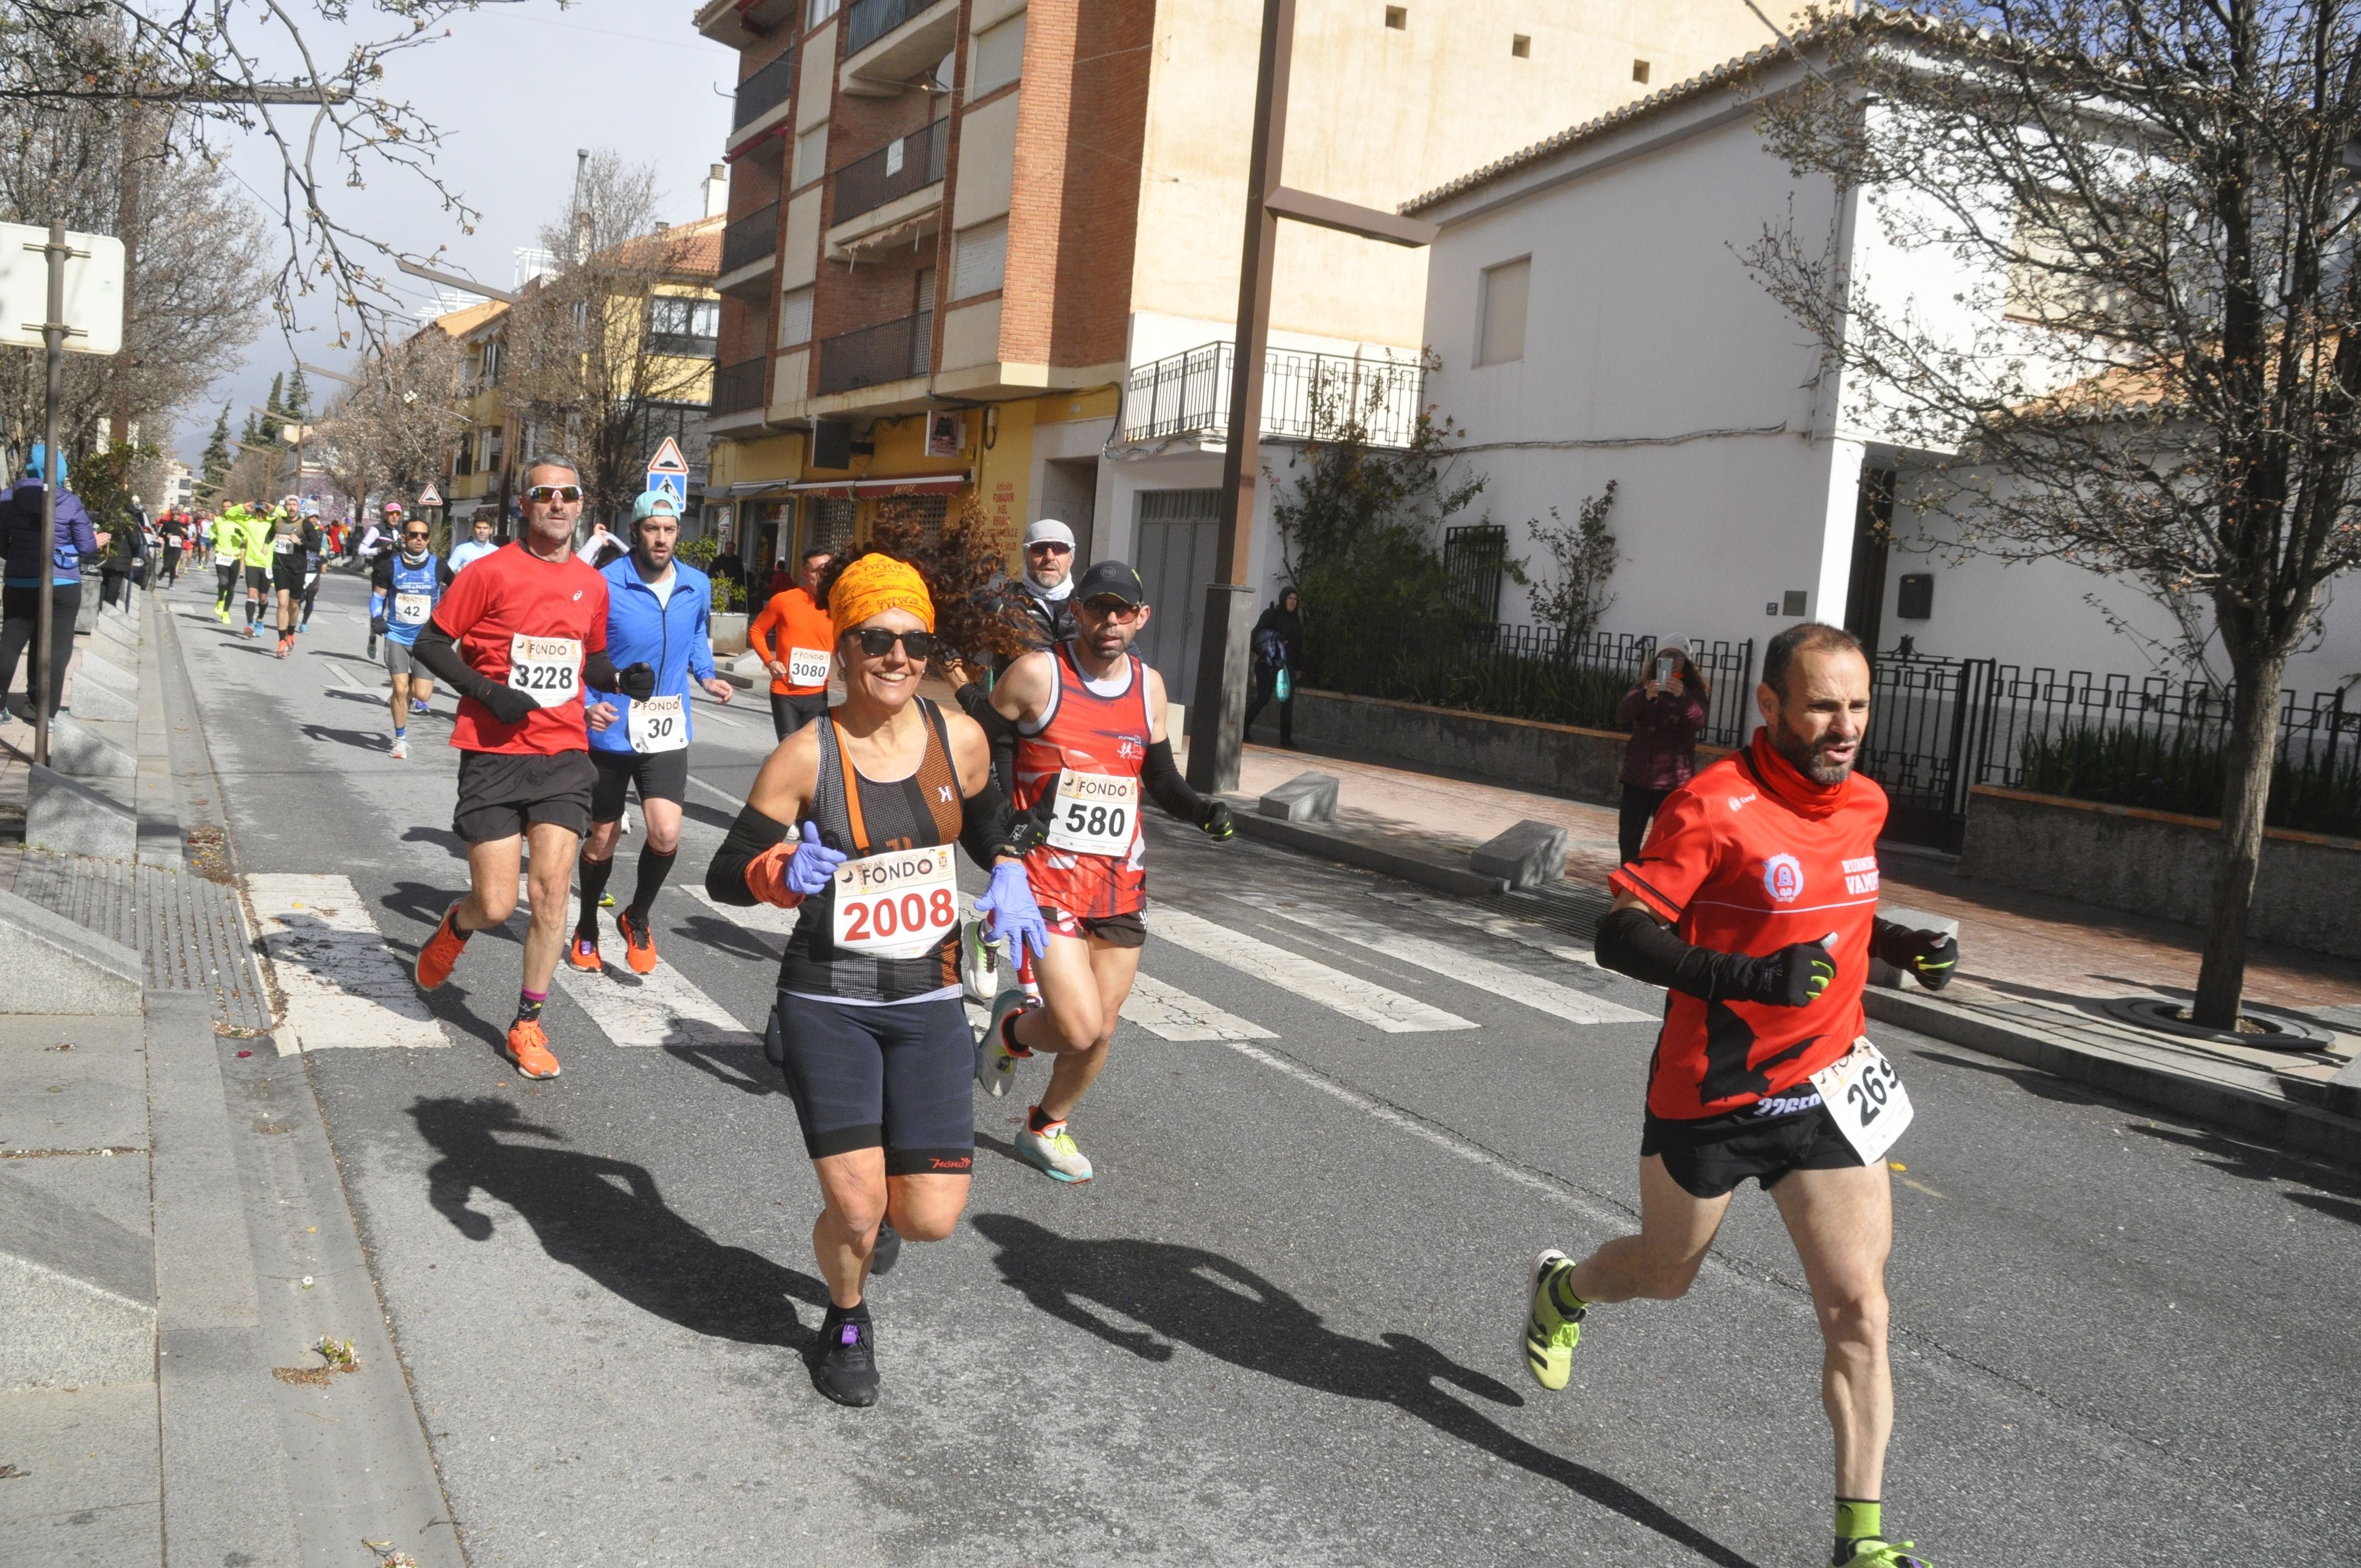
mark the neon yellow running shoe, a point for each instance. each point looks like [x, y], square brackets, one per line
[1875, 1553]
[1552, 1330]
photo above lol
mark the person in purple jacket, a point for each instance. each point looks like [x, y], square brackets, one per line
[34, 562]
[1665, 711]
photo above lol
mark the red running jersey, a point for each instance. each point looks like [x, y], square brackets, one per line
[1748, 857]
[1090, 732]
[513, 593]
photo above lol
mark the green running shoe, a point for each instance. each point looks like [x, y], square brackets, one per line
[1875, 1553]
[1551, 1334]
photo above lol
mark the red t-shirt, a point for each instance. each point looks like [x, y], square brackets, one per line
[509, 594]
[1748, 857]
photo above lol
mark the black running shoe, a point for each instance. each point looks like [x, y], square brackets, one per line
[887, 1250]
[846, 1367]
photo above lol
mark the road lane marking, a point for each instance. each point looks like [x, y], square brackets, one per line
[1333, 989]
[1171, 1013]
[1532, 991]
[765, 918]
[343, 988]
[716, 790]
[662, 1007]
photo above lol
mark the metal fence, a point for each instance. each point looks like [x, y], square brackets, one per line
[866, 21]
[905, 164]
[737, 387]
[890, 351]
[766, 90]
[1305, 396]
[750, 238]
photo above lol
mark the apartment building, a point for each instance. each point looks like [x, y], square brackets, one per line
[989, 249]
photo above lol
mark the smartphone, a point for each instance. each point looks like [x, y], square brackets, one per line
[1666, 665]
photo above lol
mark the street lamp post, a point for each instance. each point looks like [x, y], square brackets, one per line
[1217, 714]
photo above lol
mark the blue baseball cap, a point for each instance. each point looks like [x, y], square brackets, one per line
[652, 503]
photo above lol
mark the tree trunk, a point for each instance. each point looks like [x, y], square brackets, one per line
[2254, 746]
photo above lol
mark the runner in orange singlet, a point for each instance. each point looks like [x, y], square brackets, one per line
[1087, 718]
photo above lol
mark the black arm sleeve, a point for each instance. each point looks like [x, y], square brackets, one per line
[598, 671]
[989, 828]
[725, 878]
[1631, 942]
[1167, 788]
[438, 654]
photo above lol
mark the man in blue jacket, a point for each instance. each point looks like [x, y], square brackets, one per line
[657, 613]
[35, 565]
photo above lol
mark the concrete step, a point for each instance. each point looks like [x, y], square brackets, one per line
[56, 966]
[66, 816]
[77, 749]
[77, 1291]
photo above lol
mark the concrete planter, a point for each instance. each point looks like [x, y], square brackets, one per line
[2157, 863]
[729, 631]
[1561, 758]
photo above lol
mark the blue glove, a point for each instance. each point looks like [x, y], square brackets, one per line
[813, 865]
[1008, 904]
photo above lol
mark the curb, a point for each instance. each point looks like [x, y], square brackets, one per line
[1330, 844]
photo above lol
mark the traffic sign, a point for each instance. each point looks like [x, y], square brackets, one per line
[668, 470]
[430, 495]
[93, 294]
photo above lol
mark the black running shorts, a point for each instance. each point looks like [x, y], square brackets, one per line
[898, 1077]
[1713, 1155]
[258, 578]
[661, 775]
[502, 793]
[789, 714]
[1127, 930]
[287, 573]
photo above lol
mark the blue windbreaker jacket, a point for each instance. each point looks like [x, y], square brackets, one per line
[674, 637]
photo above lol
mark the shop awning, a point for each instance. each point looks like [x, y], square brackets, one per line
[904, 485]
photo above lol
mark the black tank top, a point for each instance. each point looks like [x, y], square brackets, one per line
[919, 812]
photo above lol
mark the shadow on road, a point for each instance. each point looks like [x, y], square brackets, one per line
[1188, 1296]
[742, 1067]
[607, 1218]
[2031, 1080]
[2333, 1194]
[375, 742]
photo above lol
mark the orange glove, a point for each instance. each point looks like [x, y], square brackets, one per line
[767, 876]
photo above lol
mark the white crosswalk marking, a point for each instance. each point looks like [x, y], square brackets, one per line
[343, 988]
[763, 917]
[1575, 1006]
[662, 1007]
[1172, 1013]
[1356, 998]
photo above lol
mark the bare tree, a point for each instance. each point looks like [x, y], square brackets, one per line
[2154, 202]
[585, 362]
[392, 431]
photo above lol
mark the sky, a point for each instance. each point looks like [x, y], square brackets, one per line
[515, 91]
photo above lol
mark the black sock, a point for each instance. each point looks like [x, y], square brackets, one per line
[1037, 1121]
[594, 875]
[654, 869]
[1008, 1036]
[529, 1006]
[839, 1316]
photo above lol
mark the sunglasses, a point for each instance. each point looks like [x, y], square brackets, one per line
[413, 535]
[1048, 547]
[876, 642]
[1107, 607]
[554, 493]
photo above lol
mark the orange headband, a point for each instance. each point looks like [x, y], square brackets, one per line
[875, 584]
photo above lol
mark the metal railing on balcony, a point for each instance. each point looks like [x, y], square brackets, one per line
[868, 20]
[766, 90]
[890, 351]
[739, 386]
[905, 164]
[1305, 396]
[750, 240]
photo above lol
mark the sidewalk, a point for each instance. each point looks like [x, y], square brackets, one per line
[2034, 970]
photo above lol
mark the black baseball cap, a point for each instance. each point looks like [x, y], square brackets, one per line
[1110, 578]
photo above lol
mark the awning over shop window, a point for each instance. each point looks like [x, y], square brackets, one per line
[905, 484]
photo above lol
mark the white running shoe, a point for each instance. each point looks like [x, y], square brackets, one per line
[1052, 1149]
[979, 959]
[994, 1067]
[401, 751]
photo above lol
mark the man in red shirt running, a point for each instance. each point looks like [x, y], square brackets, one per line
[517, 635]
[1754, 902]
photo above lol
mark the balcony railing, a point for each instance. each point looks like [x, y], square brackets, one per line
[1304, 396]
[737, 387]
[906, 164]
[890, 351]
[750, 240]
[766, 90]
[870, 20]
[682, 345]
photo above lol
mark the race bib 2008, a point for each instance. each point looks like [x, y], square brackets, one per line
[546, 669]
[898, 904]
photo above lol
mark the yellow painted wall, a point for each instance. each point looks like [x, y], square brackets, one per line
[779, 457]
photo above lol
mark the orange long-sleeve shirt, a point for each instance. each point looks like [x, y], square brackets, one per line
[808, 642]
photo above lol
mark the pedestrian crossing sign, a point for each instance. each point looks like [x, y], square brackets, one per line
[668, 471]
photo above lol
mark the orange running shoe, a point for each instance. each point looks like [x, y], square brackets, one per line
[442, 952]
[529, 1048]
[639, 944]
[582, 952]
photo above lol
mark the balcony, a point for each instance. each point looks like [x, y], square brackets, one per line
[750, 247]
[764, 90]
[1305, 397]
[905, 164]
[743, 25]
[889, 41]
[739, 386]
[890, 351]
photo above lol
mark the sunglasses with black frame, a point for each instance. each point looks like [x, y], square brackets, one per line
[876, 642]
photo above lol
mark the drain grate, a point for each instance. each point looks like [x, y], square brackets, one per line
[188, 930]
[1573, 909]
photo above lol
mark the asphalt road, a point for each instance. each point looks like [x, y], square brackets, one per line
[1281, 1325]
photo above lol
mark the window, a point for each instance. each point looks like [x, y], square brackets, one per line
[1500, 311]
[999, 57]
[1520, 46]
[819, 11]
[1640, 71]
[980, 260]
[681, 326]
[1397, 18]
[494, 441]
[811, 154]
[795, 317]
[493, 355]
[922, 291]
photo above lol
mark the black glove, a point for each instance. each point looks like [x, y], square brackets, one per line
[508, 705]
[1795, 976]
[377, 625]
[637, 682]
[1215, 822]
[1929, 957]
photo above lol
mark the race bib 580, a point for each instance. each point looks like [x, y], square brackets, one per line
[1096, 812]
